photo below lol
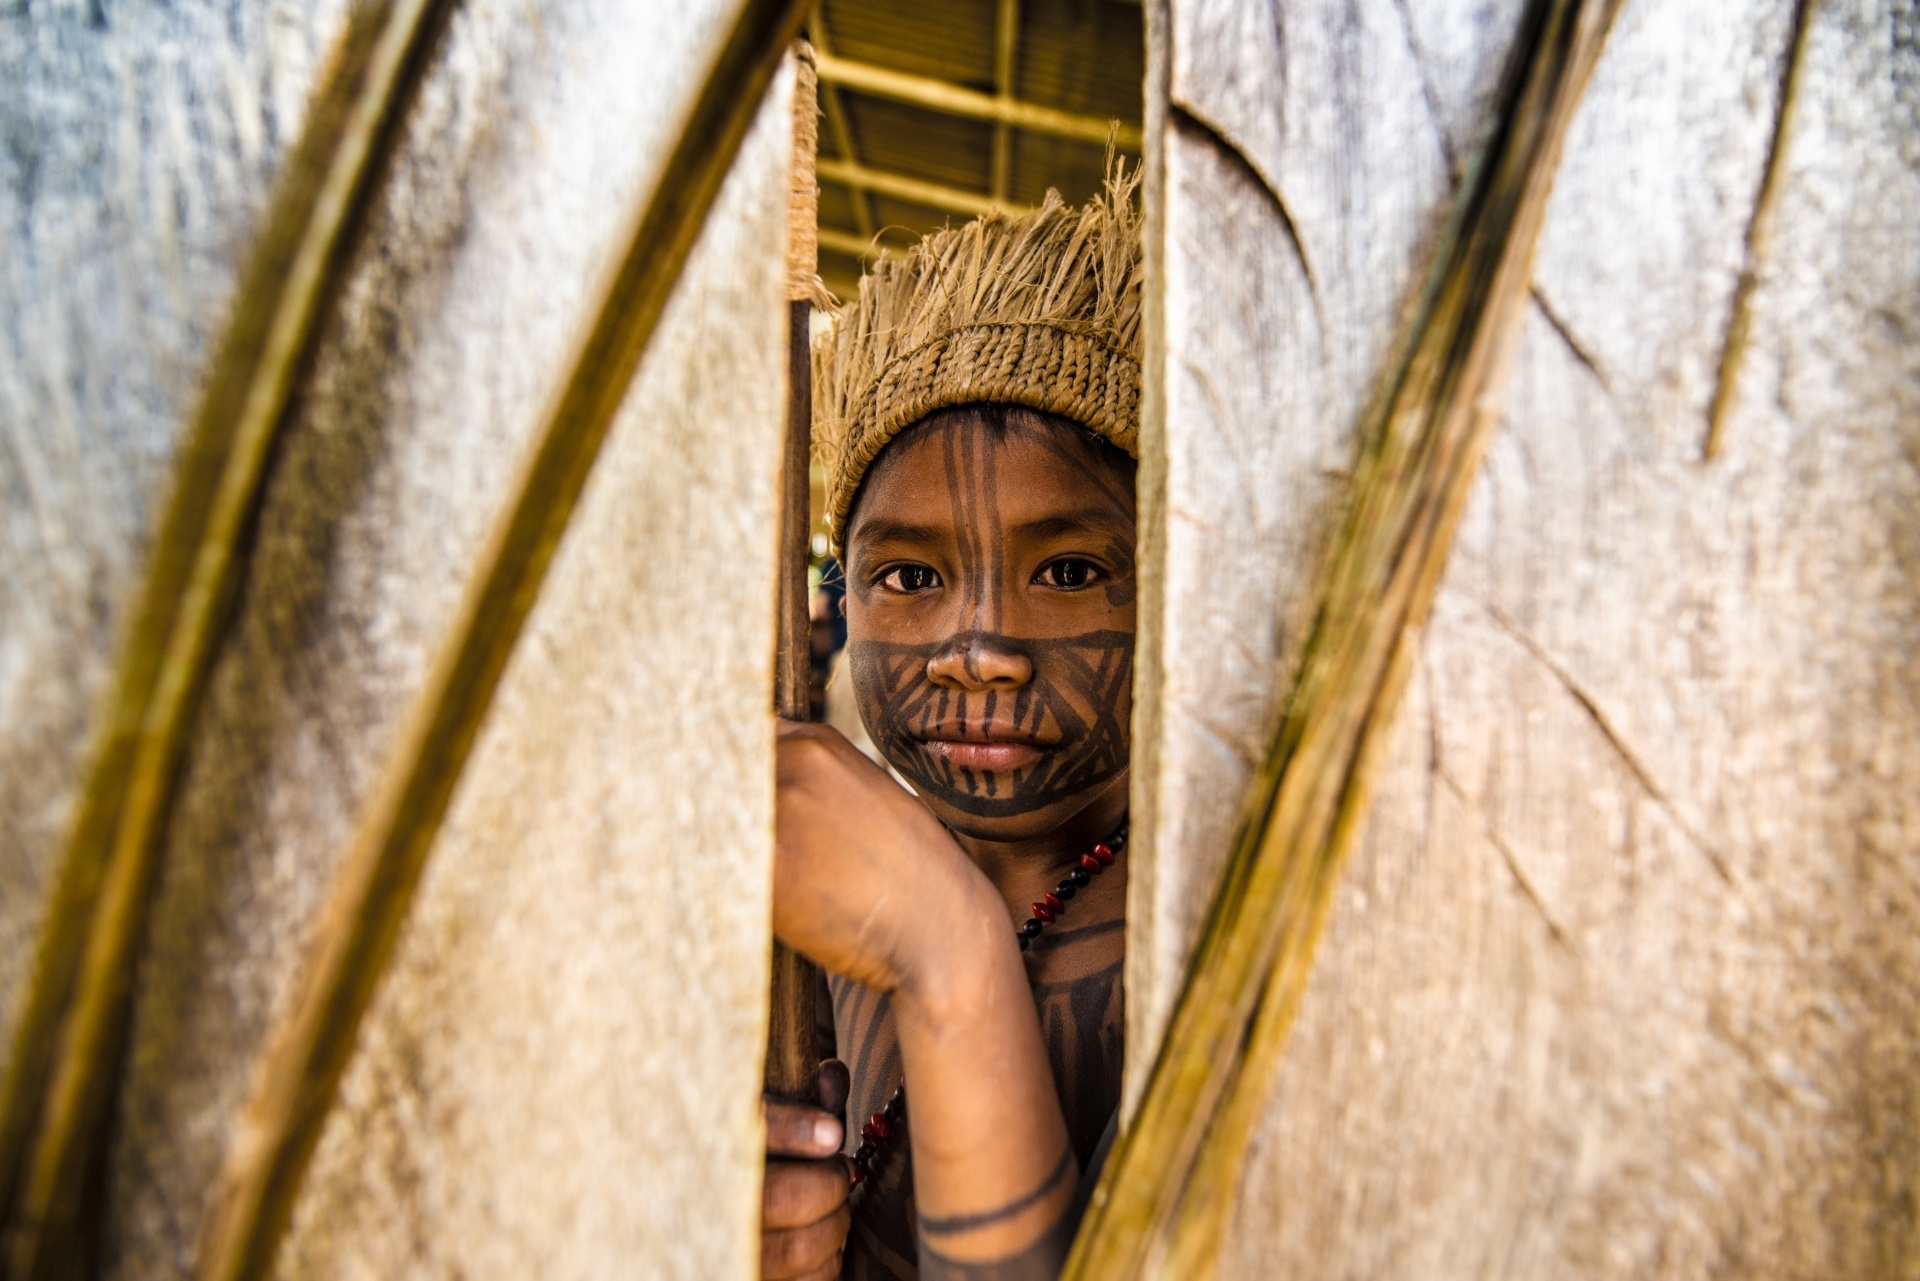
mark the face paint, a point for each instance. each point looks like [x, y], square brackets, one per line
[1072, 713]
[992, 613]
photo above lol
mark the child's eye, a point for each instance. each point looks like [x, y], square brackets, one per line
[909, 578]
[1069, 573]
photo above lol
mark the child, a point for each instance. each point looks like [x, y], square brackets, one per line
[977, 410]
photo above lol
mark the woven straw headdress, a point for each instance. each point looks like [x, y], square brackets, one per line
[1040, 309]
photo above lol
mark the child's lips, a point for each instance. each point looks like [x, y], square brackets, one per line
[990, 756]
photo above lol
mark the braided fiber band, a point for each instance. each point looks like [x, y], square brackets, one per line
[1077, 375]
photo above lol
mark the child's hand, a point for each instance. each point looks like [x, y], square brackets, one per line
[869, 884]
[866, 881]
[803, 1208]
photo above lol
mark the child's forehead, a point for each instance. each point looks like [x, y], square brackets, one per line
[980, 449]
[1010, 472]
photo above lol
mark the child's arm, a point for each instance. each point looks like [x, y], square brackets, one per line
[869, 885]
[993, 1170]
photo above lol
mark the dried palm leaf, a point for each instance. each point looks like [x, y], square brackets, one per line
[1161, 1204]
[380, 870]
[61, 1071]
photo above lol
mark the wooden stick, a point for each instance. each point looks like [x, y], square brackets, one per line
[63, 1065]
[1162, 1203]
[793, 1063]
[380, 870]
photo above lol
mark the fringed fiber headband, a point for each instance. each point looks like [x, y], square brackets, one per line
[1040, 309]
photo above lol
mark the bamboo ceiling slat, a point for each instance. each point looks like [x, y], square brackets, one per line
[996, 99]
[940, 95]
[931, 194]
[918, 142]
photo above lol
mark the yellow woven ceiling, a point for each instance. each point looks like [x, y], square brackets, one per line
[936, 109]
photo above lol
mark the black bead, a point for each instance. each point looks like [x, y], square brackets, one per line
[1064, 889]
[1022, 940]
[863, 1153]
[1079, 876]
[1029, 929]
[896, 1106]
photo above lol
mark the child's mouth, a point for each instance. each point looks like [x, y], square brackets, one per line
[991, 758]
[982, 750]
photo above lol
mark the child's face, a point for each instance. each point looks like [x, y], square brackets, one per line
[990, 621]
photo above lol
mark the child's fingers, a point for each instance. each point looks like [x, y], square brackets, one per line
[794, 1129]
[835, 1084]
[799, 1193]
[803, 1252]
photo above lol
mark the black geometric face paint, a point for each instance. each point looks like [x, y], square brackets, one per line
[1078, 699]
[1076, 703]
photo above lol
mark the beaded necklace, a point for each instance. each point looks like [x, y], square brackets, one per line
[881, 1128]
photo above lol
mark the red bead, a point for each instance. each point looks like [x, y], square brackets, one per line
[1041, 912]
[1102, 853]
[878, 1128]
[1052, 900]
[1090, 863]
[859, 1177]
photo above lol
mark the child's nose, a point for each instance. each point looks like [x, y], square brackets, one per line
[975, 661]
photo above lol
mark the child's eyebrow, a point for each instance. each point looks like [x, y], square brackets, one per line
[1100, 519]
[881, 530]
